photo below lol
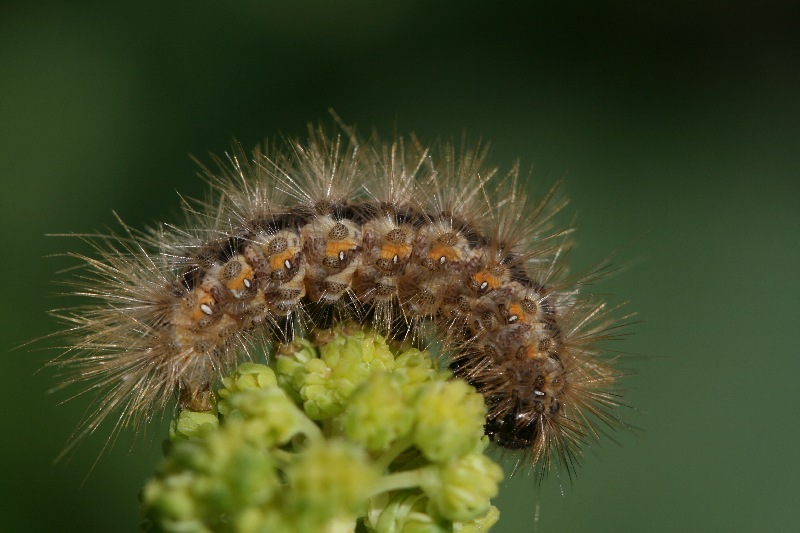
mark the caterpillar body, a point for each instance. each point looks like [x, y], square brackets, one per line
[410, 240]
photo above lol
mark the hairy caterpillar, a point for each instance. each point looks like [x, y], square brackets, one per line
[410, 240]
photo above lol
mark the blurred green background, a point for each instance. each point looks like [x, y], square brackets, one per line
[676, 126]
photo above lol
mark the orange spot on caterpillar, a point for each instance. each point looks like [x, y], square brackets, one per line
[332, 248]
[532, 351]
[203, 305]
[282, 260]
[485, 281]
[243, 281]
[395, 252]
[517, 314]
[449, 253]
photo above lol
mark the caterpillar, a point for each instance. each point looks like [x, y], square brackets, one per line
[415, 241]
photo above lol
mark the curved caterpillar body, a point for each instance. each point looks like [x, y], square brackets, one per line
[388, 234]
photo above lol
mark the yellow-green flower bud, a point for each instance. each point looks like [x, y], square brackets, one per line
[480, 524]
[378, 413]
[415, 367]
[192, 425]
[460, 489]
[209, 482]
[450, 419]
[247, 376]
[291, 367]
[273, 419]
[404, 512]
[329, 480]
[343, 364]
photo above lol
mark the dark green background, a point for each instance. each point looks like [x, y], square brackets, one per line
[676, 126]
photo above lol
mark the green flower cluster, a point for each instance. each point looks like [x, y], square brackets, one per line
[343, 435]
